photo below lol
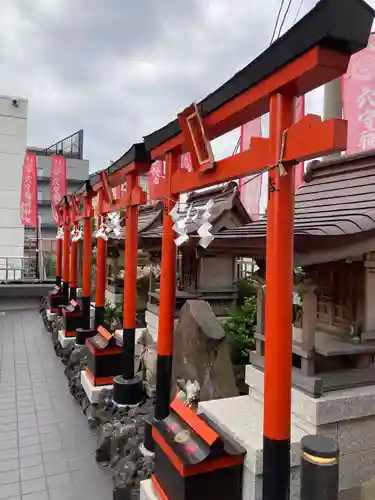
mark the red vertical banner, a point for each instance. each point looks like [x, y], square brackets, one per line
[358, 99]
[185, 163]
[58, 183]
[118, 191]
[29, 192]
[155, 176]
[250, 187]
[300, 168]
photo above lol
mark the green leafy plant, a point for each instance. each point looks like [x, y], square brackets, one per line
[113, 315]
[246, 287]
[240, 327]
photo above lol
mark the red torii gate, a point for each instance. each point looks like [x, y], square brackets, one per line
[127, 385]
[315, 51]
[135, 162]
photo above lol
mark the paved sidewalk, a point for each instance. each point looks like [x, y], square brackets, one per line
[46, 446]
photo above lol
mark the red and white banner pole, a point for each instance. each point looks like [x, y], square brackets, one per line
[250, 187]
[29, 192]
[358, 99]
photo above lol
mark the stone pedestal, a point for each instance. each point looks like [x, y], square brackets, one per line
[64, 339]
[347, 416]
[51, 316]
[92, 391]
[147, 493]
[242, 418]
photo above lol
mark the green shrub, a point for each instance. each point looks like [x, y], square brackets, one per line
[240, 327]
[246, 287]
[113, 314]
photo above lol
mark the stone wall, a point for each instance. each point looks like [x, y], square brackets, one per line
[348, 416]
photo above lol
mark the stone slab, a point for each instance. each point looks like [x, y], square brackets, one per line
[92, 391]
[51, 316]
[355, 436]
[242, 418]
[65, 341]
[147, 492]
[333, 407]
[152, 322]
[357, 469]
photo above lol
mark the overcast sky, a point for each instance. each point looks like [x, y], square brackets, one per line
[121, 68]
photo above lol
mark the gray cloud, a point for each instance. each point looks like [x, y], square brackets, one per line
[120, 68]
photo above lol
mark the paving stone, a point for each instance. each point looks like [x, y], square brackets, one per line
[9, 454]
[35, 496]
[52, 446]
[11, 444]
[27, 424]
[9, 490]
[9, 477]
[8, 427]
[31, 431]
[6, 436]
[31, 461]
[29, 450]
[49, 447]
[57, 466]
[32, 472]
[33, 485]
[29, 440]
[48, 429]
[59, 480]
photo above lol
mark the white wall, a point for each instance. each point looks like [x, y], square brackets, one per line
[13, 126]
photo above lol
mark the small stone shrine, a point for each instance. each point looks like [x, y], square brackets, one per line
[204, 274]
[333, 390]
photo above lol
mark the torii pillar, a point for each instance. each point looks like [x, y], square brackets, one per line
[74, 250]
[86, 332]
[66, 277]
[101, 264]
[128, 387]
[72, 313]
[56, 296]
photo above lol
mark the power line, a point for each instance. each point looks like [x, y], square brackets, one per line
[237, 146]
[298, 12]
[284, 18]
[277, 21]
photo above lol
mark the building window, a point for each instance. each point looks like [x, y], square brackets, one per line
[40, 171]
[40, 195]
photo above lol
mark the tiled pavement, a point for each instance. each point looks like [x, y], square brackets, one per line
[46, 447]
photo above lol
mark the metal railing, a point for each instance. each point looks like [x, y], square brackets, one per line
[71, 146]
[28, 269]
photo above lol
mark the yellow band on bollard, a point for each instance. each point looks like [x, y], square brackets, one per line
[319, 460]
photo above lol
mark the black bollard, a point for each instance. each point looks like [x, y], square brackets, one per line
[319, 468]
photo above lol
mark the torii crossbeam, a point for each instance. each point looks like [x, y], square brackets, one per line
[315, 51]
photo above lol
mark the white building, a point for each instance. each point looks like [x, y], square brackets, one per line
[13, 128]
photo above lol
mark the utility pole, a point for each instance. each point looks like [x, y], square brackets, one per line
[332, 104]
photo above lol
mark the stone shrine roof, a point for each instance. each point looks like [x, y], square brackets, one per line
[334, 207]
[227, 201]
[226, 198]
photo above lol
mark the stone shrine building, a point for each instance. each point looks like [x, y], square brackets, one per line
[333, 387]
